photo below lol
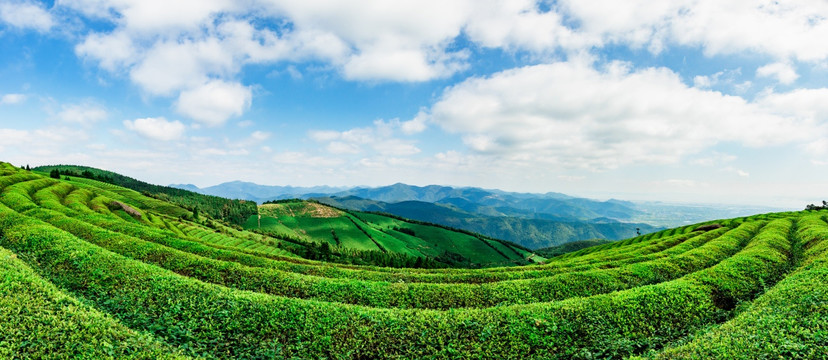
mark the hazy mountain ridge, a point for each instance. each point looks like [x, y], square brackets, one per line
[530, 231]
[532, 220]
[259, 193]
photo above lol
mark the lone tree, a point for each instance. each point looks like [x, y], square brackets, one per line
[54, 174]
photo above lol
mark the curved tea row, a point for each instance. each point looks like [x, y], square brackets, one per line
[146, 291]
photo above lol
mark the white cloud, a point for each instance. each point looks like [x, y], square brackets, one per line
[339, 148]
[380, 138]
[703, 81]
[26, 15]
[783, 72]
[719, 78]
[520, 25]
[13, 137]
[396, 148]
[11, 99]
[570, 114]
[114, 51]
[167, 48]
[405, 65]
[148, 16]
[170, 47]
[304, 159]
[52, 141]
[715, 158]
[790, 29]
[810, 104]
[324, 135]
[214, 102]
[682, 183]
[82, 114]
[259, 136]
[415, 125]
[173, 66]
[156, 128]
[736, 171]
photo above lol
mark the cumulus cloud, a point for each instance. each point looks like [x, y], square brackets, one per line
[113, 52]
[415, 125]
[82, 114]
[214, 102]
[782, 72]
[11, 99]
[188, 49]
[26, 15]
[790, 29]
[723, 77]
[166, 48]
[521, 25]
[413, 40]
[156, 128]
[571, 114]
[379, 138]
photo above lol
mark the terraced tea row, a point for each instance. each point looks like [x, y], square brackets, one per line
[143, 232]
[380, 294]
[119, 285]
[674, 306]
[39, 322]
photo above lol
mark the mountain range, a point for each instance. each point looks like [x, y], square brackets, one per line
[531, 220]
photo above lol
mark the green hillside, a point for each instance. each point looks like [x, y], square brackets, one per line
[91, 270]
[529, 232]
[570, 247]
[234, 211]
[365, 232]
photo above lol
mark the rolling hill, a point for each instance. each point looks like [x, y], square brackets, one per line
[235, 211]
[93, 270]
[348, 236]
[532, 220]
[351, 230]
[536, 232]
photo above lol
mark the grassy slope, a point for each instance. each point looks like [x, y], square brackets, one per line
[236, 211]
[570, 247]
[363, 231]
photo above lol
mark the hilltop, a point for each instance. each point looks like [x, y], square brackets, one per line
[362, 231]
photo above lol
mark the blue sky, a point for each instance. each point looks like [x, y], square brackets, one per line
[678, 100]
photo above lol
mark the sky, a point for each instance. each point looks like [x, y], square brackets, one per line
[673, 100]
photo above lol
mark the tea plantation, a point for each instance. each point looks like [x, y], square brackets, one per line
[94, 271]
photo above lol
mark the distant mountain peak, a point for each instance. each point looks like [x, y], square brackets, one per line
[189, 187]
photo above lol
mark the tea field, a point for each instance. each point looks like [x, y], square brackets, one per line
[95, 271]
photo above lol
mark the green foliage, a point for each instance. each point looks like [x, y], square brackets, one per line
[371, 239]
[38, 321]
[570, 247]
[233, 211]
